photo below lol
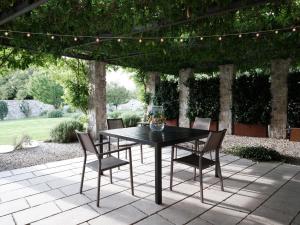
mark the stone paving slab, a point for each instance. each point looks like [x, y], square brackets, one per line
[255, 193]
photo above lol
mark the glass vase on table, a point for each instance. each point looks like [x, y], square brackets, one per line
[156, 118]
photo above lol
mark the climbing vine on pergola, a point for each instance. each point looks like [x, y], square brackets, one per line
[140, 19]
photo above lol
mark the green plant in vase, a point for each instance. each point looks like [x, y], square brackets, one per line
[156, 118]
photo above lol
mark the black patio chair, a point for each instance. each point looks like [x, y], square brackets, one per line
[102, 164]
[198, 161]
[117, 124]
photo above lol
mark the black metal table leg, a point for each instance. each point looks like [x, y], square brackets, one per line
[158, 175]
[101, 148]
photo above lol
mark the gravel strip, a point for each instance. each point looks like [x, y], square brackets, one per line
[45, 152]
[48, 152]
[283, 146]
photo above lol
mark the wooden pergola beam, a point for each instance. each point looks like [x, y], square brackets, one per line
[19, 9]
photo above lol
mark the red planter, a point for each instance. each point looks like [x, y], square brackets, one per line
[295, 134]
[250, 130]
[213, 125]
[172, 123]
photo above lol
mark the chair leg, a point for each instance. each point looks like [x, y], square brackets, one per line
[201, 179]
[98, 188]
[110, 176]
[131, 174]
[82, 175]
[176, 152]
[172, 165]
[142, 157]
[220, 175]
[126, 154]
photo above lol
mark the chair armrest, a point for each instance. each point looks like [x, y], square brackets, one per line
[114, 151]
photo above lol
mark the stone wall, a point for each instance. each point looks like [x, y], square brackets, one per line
[36, 107]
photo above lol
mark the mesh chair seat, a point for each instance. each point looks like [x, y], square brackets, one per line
[107, 163]
[193, 161]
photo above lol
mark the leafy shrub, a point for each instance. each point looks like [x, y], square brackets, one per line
[114, 114]
[64, 132]
[24, 108]
[3, 110]
[204, 98]
[44, 113]
[258, 153]
[167, 95]
[252, 99]
[55, 114]
[131, 119]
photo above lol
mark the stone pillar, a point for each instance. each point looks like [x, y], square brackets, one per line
[184, 75]
[279, 92]
[153, 81]
[227, 75]
[97, 97]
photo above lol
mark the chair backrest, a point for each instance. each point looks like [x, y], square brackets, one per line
[115, 123]
[214, 141]
[86, 142]
[202, 123]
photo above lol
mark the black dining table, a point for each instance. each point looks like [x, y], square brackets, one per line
[157, 139]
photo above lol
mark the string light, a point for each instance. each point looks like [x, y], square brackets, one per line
[161, 39]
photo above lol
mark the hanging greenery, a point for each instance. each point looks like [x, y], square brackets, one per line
[87, 29]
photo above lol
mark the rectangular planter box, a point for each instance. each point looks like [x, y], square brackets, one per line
[250, 130]
[172, 123]
[295, 134]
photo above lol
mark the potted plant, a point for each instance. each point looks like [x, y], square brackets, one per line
[294, 106]
[204, 100]
[167, 96]
[251, 105]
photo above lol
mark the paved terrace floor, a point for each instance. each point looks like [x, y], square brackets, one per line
[255, 193]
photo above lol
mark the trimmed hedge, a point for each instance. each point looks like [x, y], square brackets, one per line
[204, 98]
[252, 99]
[294, 99]
[64, 132]
[55, 114]
[167, 95]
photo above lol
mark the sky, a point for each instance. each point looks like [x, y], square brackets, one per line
[121, 77]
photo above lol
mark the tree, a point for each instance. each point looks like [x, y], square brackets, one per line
[73, 76]
[42, 87]
[13, 85]
[116, 94]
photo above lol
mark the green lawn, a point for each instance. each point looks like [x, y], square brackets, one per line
[36, 128]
